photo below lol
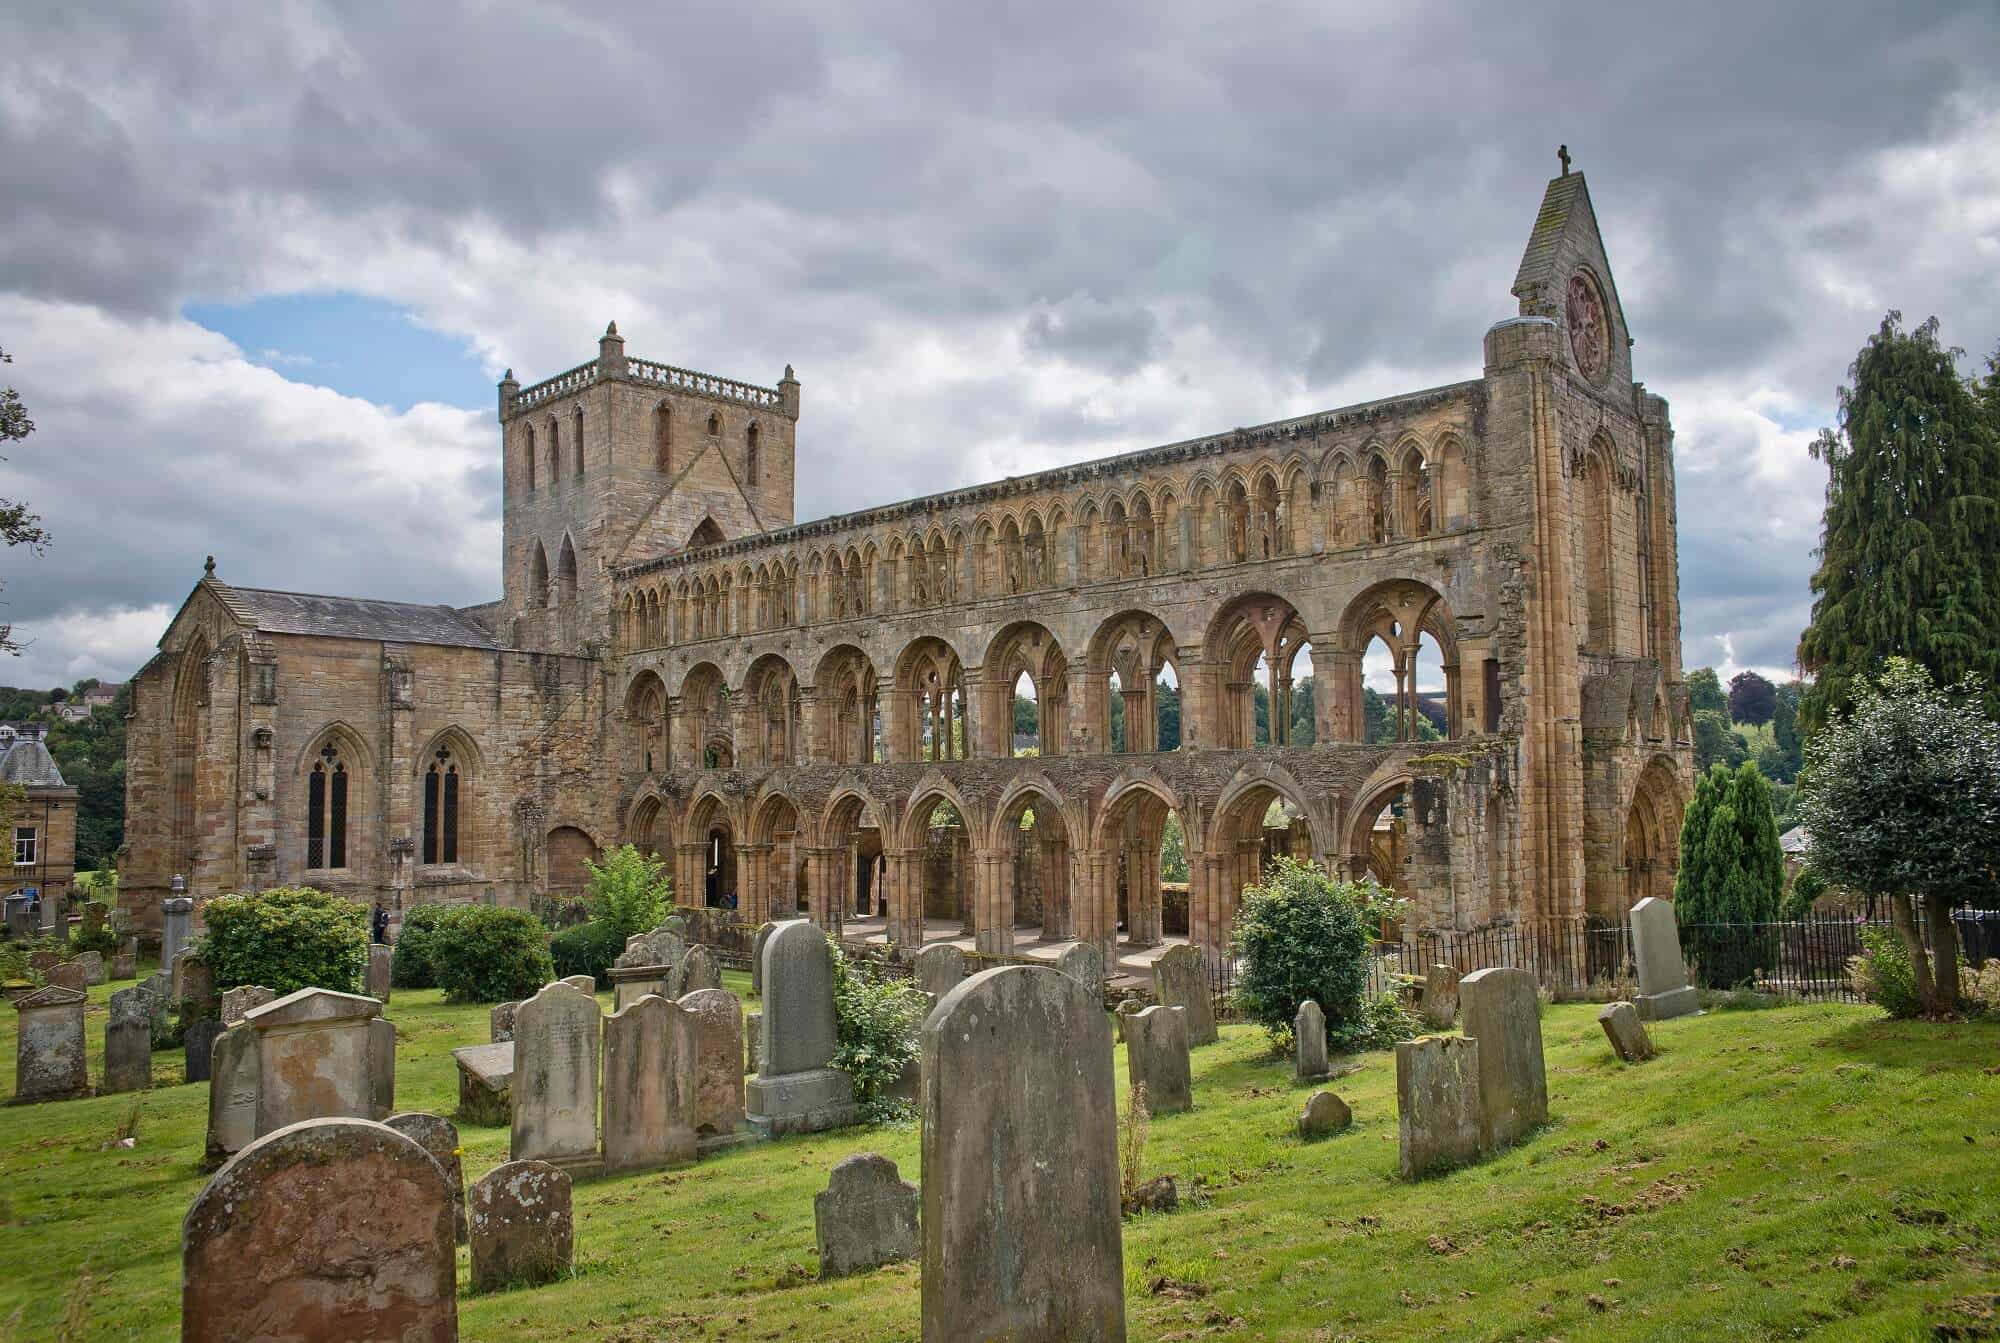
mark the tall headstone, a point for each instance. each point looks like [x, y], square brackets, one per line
[194, 981]
[764, 931]
[555, 1079]
[1437, 1104]
[198, 1047]
[753, 1034]
[236, 1079]
[128, 1042]
[717, 1020]
[1020, 1136]
[438, 1136]
[1180, 979]
[1626, 1032]
[21, 917]
[1440, 997]
[381, 966]
[176, 918]
[939, 967]
[1502, 1012]
[125, 965]
[865, 1217]
[331, 1228]
[1156, 1057]
[522, 1229]
[1664, 992]
[649, 1086]
[1083, 962]
[320, 1057]
[500, 1021]
[697, 971]
[1309, 1061]
[795, 1089]
[49, 1059]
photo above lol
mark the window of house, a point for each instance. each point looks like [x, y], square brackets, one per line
[26, 842]
[441, 789]
[326, 811]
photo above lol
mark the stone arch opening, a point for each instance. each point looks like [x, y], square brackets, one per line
[1264, 818]
[1652, 835]
[1145, 843]
[1378, 840]
[189, 721]
[1029, 679]
[712, 836]
[1594, 568]
[773, 861]
[647, 830]
[705, 730]
[771, 693]
[1384, 635]
[1037, 863]
[646, 750]
[941, 845]
[1134, 692]
[857, 876]
[570, 852]
[1253, 645]
[933, 715]
[850, 730]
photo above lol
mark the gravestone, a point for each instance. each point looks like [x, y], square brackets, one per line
[1021, 1213]
[1180, 979]
[500, 1021]
[646, 966]
[128, 1042]
[194, 982]
[1437, 1104]
[1325, 1114]
[1309, 1042]
[764, 931]
[235, 1080]
[1440, 997]
[753, 1028]
[41, 962]
[865, 1217]
[1626, 1032]
[439, 1137]
[327, 1229]
[1664, 992]
[381, 965]
[67, 975]
[125, 965]
[93, 968]
[583, 984]
[717, 1021]
[521, 1226]
[795, 1090]
[241, 999]
[49, 1059]
[198, 1048]
[939, 968]
[1127, 1008]
[555, 1079]
[176, 918]
[21, 918]
[1156, 1057]
[1083, 962]
[321, 1055]
[649, 1086]
[697, 971]
[95, 912]
[486, 1083]
[1501, 1011]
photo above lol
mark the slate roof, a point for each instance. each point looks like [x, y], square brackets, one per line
[354, 618]
[1539, 259]
[28, 763]
[1795, 840]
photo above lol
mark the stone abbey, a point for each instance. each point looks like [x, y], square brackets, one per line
[821, 716]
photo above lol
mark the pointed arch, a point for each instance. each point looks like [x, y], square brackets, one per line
[538, 576]
[707, 532]
[565, 589]
[448, 769]
[663, 437]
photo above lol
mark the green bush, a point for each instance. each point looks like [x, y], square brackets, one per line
[424, 927]
[104, 944]
[629, 891]
[877, 1023]
[491, 955]
[1384, 1022]
[1302, 935]
[587, 949]
[287, 938]
[1882, 973]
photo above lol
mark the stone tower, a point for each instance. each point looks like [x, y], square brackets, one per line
[621, 458]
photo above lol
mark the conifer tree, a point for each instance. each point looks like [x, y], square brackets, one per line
[1909, 556]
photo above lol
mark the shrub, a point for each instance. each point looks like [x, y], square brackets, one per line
[1301, 935]
[1882, 974]
[424, 928]
[630, 892]
[587, 949]
[490, 955]
[105, 943]
[1383, 1023]
[287, 938]
[877, 1021]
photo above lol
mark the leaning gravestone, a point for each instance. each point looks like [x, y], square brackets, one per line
[717, 1020]
[438, 1136]
[1502, 1012]
[555, 1079]
[128, 1042]
[1020, 1139]
[1626, 1032]
[1437, 1104]
[939, 968]
[697, 971]
[795, 1089]
[235, 1081]
[1180, 979]
[322, 1055]
[1083, 962]
[240, 1000]
[764, 931]
[381, 970]
[521, 1226]
[649, 1086]
[865, 1217]
[500, 1021]
[49, 1060]
[486, 1083]
[1309, 1042]
[1440, 997]
[1664, 992]
[327, 1229]
[93, 968]
[1156, 1057]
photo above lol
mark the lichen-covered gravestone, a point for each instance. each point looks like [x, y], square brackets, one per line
[1440, 997]
[939, 968]
[555, 1079]
[128, 1042]
[239, 1001]
[500, 1022]
[486, 1083]
[1309, 1042]
[1021, 1215]
[1437, 1104]
[235, 1080]
[697, 971]
[1664, 992]
[583, 984]
[438, 1136]
[1325, 1114]
[93, 968]
[865, 1217]
[1502, 1012]
[1083, 962]
[1626, 1032]
[1156, 1057]
[649, 1086]
[1180, 979]
[49, 1061]
[521, 1226]
[381, 962]
[795, 1089]
[322, 1055]
[66, 975]
[717, 1020]
[328, 1229]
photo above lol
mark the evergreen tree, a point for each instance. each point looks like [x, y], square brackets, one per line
[1692, 875]
[1732, 875]
[1758, 899]
[1909, 556]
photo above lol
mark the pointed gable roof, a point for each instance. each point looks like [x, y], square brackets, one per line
[50, 995]
[270, 611]
[1566, 239]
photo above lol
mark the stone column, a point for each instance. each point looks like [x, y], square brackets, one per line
[906, 896]
[176, 912]
[691, 887]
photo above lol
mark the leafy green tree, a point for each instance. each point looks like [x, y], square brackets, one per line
[1705, 691]
[1300, 934]
[1715, 742]
[1169, 699]
[1027, 717]
[1909, 554]
[1173, 850]
[287, 938]
[630, 892]
[876, 1023]
[1901, 795]
[1785, 731]
[492, 954]
[1752, 699]
[18, 527]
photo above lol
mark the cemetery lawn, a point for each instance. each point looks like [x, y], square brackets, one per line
[1807, 1171]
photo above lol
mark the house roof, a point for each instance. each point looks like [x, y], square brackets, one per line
[28, 763]
[1795, 840]
[309, 613]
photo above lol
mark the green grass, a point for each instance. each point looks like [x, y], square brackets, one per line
[1810, 1171]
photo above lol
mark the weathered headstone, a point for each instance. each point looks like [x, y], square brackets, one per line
[41, 962]
[1020, 1137]
[1325, 1113]
[521, 1226]
[1664, 992]
[939, 967]
[95, 912]
[1083, 962]
[865, 1217]
[1309, 1042]
[795, 1090]
[1180, 979]
[198, 1047]
[194, 980]
[321, 1055]
[66, 975]
[753, 1030]
[486, 1083]
[697, 971]
[1156, 1057]
[1626, 1032]
[1501, 1011]
[328, 1229]
[125, 965]
[20, 917]
[764, 931]
[438, 1136]
[176, 922]
[583, 984]
[717, 1020]
[49, 1059]
[1440, 997]
[1127, 1009]
[381, 965]
[555, 1079]
[649, 1086]
[236, 1079]
[501, 1021]
[128, 1042]
[93, 968]
[240, 1000]
[1437, 1103]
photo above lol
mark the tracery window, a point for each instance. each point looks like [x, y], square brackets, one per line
[326, 810]
[441, 795]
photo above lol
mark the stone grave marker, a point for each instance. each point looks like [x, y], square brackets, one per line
[1501, 1011]
[1664, 992]
[865, 1217]
[1440, 997]
[20, 918]
[1437, 1104]
[795, 1090]
[521, 1226]
[753, 1029]
[198, 1047]
[486, 1083]
[93, 968]
[95, 912]
[1180, 979]
[697, 971]
[1083, 962]
[764, 931]
[583, 984]
[239, 1000]
[1020, 1137]
[128, 1042]
[321, 1055]
[500, 1021]
[555, 1079]
[236, 1079]
[381, 970]
[1309, 1061]
[66, 975]
[649, 1086]
[49, 1059]
[1325, 1114]
[1626, 1032]
[327, 1229]
[716, 1018]
[1156, 1057]
[438, 1136]
[125, 965]
[41, 962]
[176, 923]
[939, 967]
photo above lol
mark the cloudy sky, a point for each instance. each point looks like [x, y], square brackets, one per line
[261, 264]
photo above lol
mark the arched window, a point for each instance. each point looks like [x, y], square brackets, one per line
[441, 792]
[663, 437]
[555, 450]
[326, 810]
[578, 434]
[538, 576]
[531, 456]
[714, 423]
[750, 455]
[565, 591]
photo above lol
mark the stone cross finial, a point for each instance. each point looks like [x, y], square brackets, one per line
[1562, 157]
[209, 567]
[611, 330]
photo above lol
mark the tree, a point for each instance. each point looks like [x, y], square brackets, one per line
[1901, 795]
[1752, 699]
[18, 527]
[1705, 691]
[1785, 730]
[1909, 553]
[1715, 743]
[629, 892]
[1169, 699]
[1027, 716]
[1732, 874]
[1300, 934]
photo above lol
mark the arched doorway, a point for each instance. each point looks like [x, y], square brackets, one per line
[1145, 845]
[1652, 833]
[570, 851]
[1037, 863]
